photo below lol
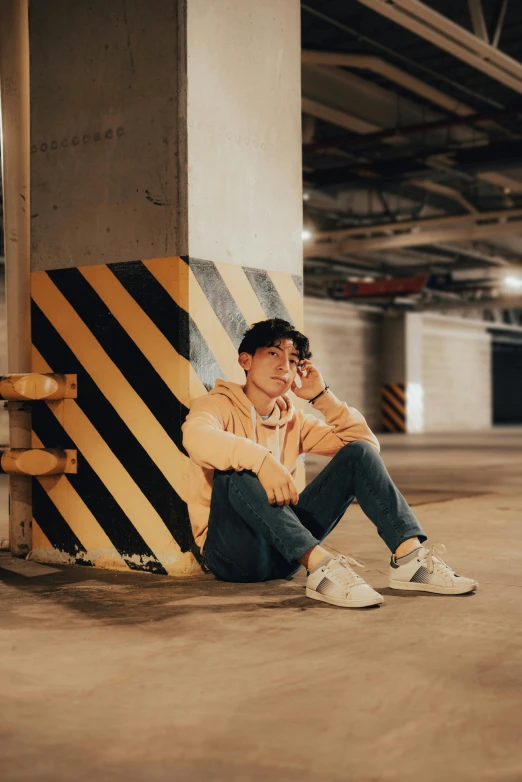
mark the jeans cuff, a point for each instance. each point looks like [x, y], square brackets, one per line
[299, 551]
[406, 534]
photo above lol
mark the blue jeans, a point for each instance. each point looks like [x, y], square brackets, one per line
[251, 540]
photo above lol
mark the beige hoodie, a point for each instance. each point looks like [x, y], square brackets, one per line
[223, 431]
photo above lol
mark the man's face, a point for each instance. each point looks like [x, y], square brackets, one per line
[272, 369]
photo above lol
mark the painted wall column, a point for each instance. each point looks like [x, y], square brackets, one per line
[167, 209]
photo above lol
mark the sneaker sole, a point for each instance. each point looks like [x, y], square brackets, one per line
[338, 601]
[408, 586]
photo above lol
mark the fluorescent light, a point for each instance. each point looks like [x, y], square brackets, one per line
[510, 281]
[305, 235]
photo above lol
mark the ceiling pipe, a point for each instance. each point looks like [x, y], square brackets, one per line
[378, 65]
[452, 38]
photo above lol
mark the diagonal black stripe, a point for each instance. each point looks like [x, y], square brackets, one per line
[154, 300]
[201, 358]
[174, 323]
[396, 406]
[123, 351]
[267, 294]
[298, 279]
[118, 528]
[54, 526]
[124, 445]
[220, 299]
[395, 395]
[387, 421]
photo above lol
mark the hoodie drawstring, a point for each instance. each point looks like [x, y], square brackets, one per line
[253, 418]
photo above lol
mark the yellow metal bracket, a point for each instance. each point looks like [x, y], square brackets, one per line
[33, 386]
[39, 461]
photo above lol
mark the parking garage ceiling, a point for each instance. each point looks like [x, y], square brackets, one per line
[412, 152]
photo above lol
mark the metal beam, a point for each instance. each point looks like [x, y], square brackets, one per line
[444, 190]
[477, 20]
[378, 65]
[467, 233]
[499, 26]
[395, 54]
[506, 302]
[337, 117]
[411, 130]
[452, 38]
[428, 223]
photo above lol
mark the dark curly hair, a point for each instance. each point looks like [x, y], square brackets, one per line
[269, 333]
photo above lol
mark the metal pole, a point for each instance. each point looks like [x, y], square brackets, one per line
[14, 95]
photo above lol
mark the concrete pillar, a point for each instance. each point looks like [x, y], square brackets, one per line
[166, 217]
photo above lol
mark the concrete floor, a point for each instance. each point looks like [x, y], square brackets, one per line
[135, 677]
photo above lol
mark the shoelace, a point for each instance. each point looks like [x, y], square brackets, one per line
[343, 573]
[433, 558]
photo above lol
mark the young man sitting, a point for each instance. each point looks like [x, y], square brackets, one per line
[244, 443]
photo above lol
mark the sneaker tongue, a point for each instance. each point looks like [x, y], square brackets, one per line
[345, 572]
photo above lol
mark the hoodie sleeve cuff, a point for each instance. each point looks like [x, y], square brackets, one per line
[327, 401]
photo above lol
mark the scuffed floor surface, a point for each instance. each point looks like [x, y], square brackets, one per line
[135, 677]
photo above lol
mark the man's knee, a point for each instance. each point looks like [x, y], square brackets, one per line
[245, 482]
[359, 449]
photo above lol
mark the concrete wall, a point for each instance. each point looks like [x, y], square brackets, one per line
[456, 374]
[104, 132]
[244, 126]
[346, 344]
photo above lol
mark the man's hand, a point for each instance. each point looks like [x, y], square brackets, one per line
[277, 482]
[312, 382]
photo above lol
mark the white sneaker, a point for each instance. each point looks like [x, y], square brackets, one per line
[337, 584]
[427, 572]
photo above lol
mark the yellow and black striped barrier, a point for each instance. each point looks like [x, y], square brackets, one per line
[393, 407]
[144, 338]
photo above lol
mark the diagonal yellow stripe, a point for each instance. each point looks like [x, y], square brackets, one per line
[393, 415]
[118, 482]
[398, 390]
[111, 382]
[242, 292]
[177, 272]
[290, 296]
[40, 539]
[388, 425]
[99, 547]
[201, 311]
[393, 401]
[171, 367]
